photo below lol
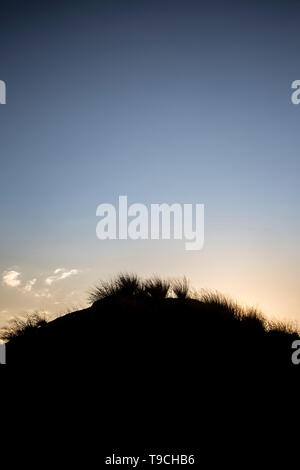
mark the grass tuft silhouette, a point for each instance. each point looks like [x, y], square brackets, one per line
[122, 285]
[157, 288]
[181, 288]
[23, 326]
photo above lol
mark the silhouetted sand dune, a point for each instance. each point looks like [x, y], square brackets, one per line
[132, 322]
[150, 369]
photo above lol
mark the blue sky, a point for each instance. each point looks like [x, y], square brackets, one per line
[163, 101]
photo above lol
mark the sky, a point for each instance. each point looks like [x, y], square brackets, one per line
[163, 101]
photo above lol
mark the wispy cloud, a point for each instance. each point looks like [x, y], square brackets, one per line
[43, 293]
[11, 278]
[29, 285]
[60, 274]
[33, 287]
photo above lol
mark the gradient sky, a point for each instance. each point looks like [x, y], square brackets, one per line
[163, 101]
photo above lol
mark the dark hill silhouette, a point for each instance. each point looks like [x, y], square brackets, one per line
[132, 321]
[152, 366]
